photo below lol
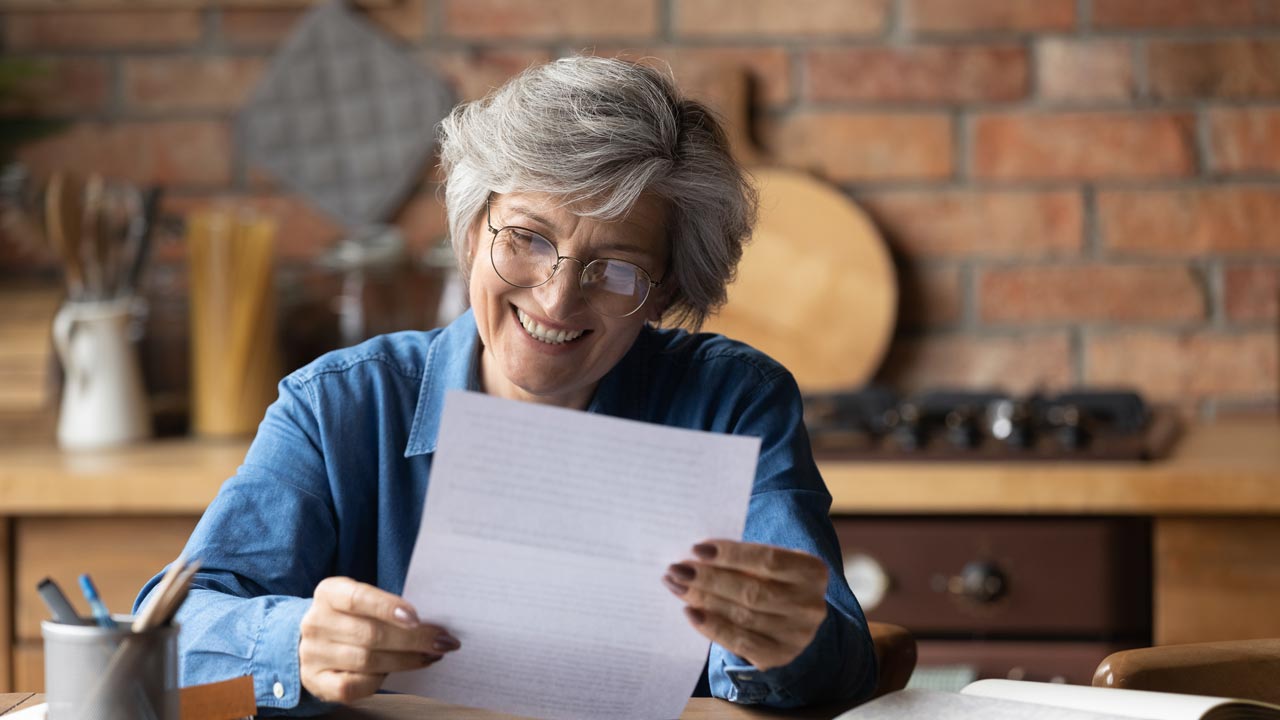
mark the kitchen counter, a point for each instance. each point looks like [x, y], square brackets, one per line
[1219, 469]
[1213, 508]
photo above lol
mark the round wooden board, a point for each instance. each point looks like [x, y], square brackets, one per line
[816, 288]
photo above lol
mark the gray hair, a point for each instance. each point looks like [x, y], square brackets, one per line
[598, 133]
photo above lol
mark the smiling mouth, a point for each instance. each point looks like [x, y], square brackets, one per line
[545, 334]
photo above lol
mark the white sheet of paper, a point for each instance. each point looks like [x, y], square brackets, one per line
[544, 538]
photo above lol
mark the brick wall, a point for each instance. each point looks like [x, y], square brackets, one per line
[1077, 191]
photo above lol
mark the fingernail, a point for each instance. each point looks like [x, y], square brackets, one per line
[445, 642]
[682, 572]
[696, 616]
[705, 551]
[406, 616]
[428, 658]
[674, 586]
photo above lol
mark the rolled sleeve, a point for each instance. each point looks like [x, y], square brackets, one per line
[790, 508]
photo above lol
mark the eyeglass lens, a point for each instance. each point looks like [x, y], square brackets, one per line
[611, 287]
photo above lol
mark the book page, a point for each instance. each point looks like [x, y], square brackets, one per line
[1127, 703]
[914, 704]
[544, 538]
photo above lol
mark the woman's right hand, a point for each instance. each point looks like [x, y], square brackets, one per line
[354, 634]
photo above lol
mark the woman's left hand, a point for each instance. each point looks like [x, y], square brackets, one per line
[760, 602]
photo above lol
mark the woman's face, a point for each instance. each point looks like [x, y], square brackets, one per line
[522, 364]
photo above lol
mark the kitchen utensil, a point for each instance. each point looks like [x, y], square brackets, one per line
[103, 398]
[344, 116]
[816, 288]
[234, 348]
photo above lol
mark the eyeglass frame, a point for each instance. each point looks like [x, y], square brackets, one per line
[488, 205]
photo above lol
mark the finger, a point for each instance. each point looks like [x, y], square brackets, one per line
[740, 588]
[766, 623]
[357, 598]
[357, 659]
[762, 652]
[347, 629]
[769, 561]
[345, 687]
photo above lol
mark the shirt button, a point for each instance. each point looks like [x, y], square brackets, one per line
[277, 690]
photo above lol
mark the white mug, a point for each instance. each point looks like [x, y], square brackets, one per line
[104, 402]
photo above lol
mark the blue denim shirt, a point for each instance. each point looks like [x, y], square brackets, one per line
[334, 482]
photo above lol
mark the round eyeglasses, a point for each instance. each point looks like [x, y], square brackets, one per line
[525, 259]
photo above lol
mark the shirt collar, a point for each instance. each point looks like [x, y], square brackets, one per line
[451, 363]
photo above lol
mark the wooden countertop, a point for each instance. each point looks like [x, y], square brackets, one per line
[396, 707]
[1219, 469]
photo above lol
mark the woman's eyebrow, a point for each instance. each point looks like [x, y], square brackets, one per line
[614, 245]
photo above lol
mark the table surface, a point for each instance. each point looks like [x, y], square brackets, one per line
[398, 707]
[1224, 468]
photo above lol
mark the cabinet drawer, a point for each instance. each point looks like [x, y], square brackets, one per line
[1061, 577]
[1069, 662]
[120, 553]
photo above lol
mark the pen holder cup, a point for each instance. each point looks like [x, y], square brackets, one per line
[95, 673]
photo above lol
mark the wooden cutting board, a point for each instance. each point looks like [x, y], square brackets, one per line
[816, 288]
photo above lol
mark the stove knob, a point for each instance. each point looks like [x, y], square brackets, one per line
[1068, 427]
[962, 429]
[1009, 422]
[905, 426]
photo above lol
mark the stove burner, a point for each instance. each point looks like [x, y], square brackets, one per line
[1088, 424]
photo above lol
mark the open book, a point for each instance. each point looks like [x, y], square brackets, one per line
[1019, 700]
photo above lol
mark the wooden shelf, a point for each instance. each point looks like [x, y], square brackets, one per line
[1219, 469]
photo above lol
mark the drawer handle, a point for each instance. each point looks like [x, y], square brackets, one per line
[979, 582]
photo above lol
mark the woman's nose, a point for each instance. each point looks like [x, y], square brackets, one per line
[560, 297]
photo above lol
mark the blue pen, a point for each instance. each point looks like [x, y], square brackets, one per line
[100, 612]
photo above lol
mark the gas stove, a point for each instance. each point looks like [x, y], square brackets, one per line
[875, 423]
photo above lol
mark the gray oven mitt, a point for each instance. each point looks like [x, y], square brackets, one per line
[344, 116]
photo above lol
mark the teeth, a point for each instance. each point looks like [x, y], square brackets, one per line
[543, 334]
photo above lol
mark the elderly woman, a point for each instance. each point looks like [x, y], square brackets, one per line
[590, 206]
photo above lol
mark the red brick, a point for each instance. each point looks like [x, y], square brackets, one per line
[179, 152]
[1198, 14]
[550, 19]
[1186, 366]
[101, 30]
[405, 19]
[59, 86]
[258, 27]
[940, 73]
[302, 232]
[1252, 292]
[702, 18]
[1245, 139]
[962, 16]
[1090, 293]
[1236, 68]
[473, 73]
[994, 224]
[159, 84]
[929, 297]
[1083, 145]
[844, 146]
[265, 27]
[695, 68]
[1018, 363]
[1089, 70]
[1245, 410]
[1185, 223]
